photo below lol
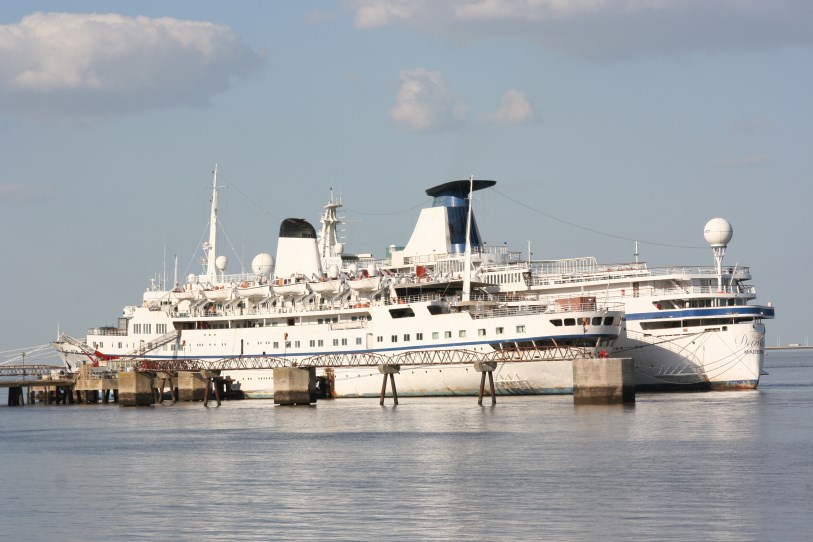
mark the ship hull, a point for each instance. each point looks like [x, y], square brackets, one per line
[702, 361]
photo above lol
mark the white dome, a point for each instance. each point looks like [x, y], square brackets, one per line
[334, 271]
[352, 269]
[718, 232]
[262, 264]
[338, 248]
[221, 262]
[371, 270]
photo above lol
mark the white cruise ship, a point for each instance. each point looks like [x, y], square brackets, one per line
[312, 300]
[686, 327]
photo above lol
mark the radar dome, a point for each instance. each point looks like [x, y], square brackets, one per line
[262, 264]
[718, 232]
[221, 262]
[334, 271]
[352, 269]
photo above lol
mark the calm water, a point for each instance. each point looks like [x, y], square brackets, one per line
[703, 466]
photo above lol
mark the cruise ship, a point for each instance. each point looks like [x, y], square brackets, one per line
[686, 327]
[313, 300]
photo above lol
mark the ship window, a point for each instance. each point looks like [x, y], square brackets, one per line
[520, 329]
[312, 343]
[380, 339]
[358, 340]
[276, 344]
[395, 338]
[660, 324]
[556, 322]
[406, 337]
[344, 342]
[481, 332]
[335, 342]
[596, 320]
[608, 320]
[447, 334]
[435, 335]
[500, 330]
[405, 312]
[320, 342]
[419, 336]
[296, 344]
[570, 321]
[461, 333]
[434, 309]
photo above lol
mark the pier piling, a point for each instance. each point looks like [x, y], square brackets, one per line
[603, 381]
[486, 368]
[391, 371]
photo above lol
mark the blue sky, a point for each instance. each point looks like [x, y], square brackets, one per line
[641, 119]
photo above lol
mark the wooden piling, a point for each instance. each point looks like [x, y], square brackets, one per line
[483, 368]
[391, 371]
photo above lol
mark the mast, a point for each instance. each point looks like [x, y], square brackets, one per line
[467, 258]
[211, 246]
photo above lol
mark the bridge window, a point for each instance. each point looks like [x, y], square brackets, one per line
[570, 321]
[608, 320]
[556, 322]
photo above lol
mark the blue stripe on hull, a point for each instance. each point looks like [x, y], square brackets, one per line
[762, 312]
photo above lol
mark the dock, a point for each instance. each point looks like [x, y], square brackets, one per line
[190, 379]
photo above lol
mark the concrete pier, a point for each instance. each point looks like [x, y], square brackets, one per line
[603, 381]
[191, 386]
[294, 385]
[135, 389]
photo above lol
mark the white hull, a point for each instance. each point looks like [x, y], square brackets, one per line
[526, 378]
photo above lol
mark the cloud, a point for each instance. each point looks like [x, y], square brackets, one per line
[514, 109]
[605, 28]
[12, 194]
[425, 103]
[65, 66]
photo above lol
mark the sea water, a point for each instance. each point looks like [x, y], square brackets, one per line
[684, 466]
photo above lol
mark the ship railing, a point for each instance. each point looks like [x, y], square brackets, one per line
[114, 331]
[738, 272]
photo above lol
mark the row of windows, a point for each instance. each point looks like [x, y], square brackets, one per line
[596, 321]
[447, 334]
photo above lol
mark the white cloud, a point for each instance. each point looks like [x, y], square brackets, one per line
[514, 109]
[65, 66]
[605, 28]
[425, 103]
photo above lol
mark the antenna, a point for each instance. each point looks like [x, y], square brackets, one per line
[467, 258]
[636, 251]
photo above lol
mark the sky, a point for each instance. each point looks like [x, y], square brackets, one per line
[602, 121]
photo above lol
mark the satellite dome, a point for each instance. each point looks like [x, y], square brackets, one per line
[262, 264]
[718, 232]
[221, 263]
[334, 271]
